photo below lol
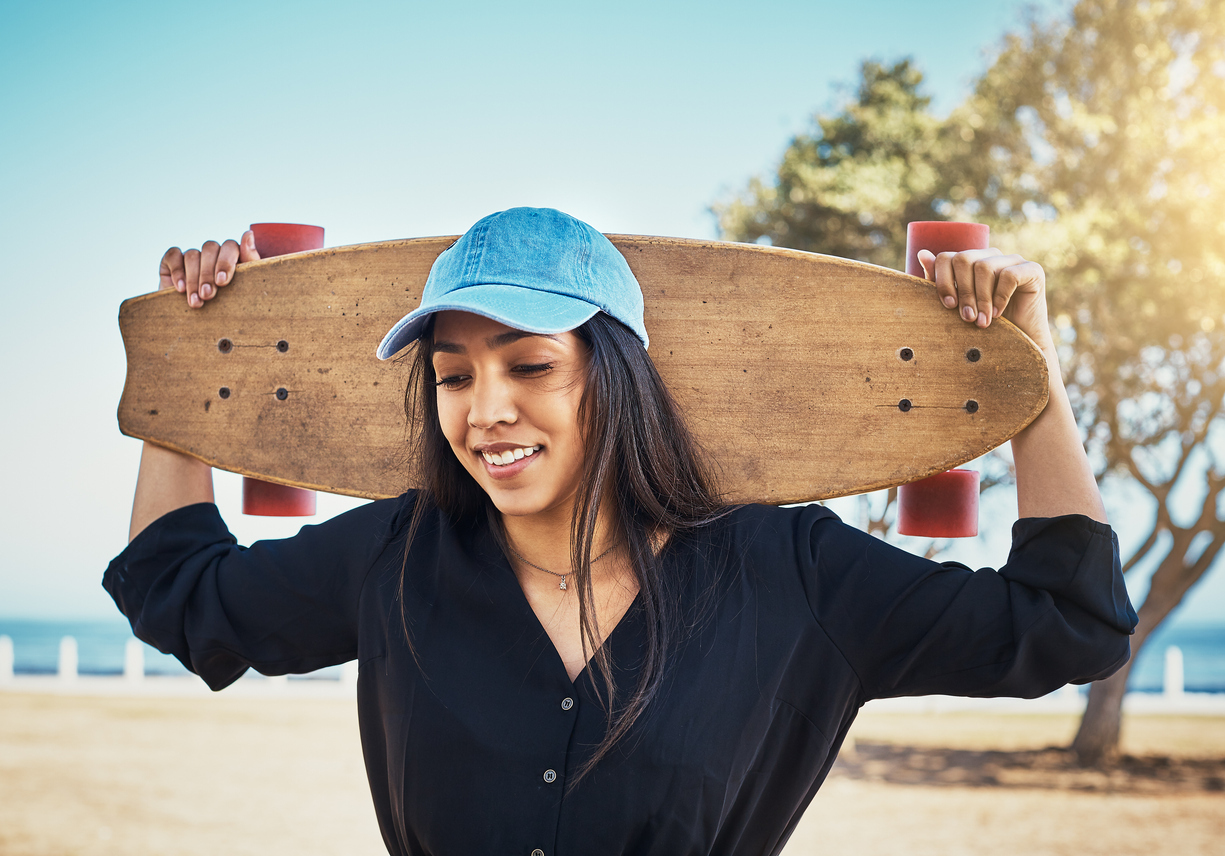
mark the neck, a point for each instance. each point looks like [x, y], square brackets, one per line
[545, 539]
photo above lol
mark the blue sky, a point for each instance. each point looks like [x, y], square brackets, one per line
[130, 127]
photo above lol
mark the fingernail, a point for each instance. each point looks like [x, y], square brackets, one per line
[221, 277]
[206, 290]
[967, 312]
[179, 286]
[995, 312]
[982, 319]
[950, 301]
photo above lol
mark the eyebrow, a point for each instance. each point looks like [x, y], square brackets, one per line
[493, 342]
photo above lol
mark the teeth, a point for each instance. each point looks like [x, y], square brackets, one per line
[501, 459]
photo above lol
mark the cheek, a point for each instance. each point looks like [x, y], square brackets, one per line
[453, 418]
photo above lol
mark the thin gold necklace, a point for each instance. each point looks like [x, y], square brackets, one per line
[562, 584]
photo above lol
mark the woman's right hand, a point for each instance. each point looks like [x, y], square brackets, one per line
[199, 273]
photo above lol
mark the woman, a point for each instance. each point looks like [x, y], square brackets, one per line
[566, 644]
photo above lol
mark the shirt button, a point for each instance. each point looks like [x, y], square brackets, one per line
[537, 852]
[550, 776]
[567, 703]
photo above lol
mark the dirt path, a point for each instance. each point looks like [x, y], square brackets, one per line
[180, 777]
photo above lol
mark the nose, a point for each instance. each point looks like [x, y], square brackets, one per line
[492, 403]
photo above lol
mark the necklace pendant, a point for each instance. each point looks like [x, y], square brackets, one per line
[562, 584]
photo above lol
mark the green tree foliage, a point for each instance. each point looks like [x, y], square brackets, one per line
[1094, 143]
[850, 188]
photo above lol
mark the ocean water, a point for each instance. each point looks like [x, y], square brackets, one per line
[100, 645]
[1203, 654]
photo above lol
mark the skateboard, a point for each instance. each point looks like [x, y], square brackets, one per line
[802, 376]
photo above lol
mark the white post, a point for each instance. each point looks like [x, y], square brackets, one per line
[68, 659]
[278, 683]
[134, 661]
[1172, 683]
[348, 674]
[6, 659]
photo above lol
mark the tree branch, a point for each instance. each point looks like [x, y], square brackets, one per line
[1143, 549]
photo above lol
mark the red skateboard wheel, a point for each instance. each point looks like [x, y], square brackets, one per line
[940, 506]
[941, 236]
[261, 498]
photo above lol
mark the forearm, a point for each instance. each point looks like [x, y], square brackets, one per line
[1053, 472]
[167, 480]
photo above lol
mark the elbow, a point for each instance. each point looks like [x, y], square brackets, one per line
[1111, 659]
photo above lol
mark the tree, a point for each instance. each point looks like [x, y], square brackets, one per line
[1093, 142]
[1118, 114]
[850, 188]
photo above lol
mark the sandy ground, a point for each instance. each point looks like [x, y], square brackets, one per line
[170, 776]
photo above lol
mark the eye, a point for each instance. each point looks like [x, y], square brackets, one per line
[452, 381]
[532, 370]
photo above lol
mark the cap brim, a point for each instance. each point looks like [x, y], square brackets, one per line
[515, 306]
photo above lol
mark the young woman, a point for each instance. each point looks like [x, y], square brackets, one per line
[567, 645]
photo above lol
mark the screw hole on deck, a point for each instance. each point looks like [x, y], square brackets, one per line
[225, 346]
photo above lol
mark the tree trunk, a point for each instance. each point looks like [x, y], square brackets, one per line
[1097, 739]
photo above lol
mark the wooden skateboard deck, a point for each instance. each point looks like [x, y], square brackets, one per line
[803, 376]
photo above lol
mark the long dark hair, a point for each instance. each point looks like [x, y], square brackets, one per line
[640, 460]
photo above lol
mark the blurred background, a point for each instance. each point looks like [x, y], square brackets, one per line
[1088, 135]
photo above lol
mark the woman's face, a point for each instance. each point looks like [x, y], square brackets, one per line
[508, 403]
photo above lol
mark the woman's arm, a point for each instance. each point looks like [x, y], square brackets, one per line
[1053, 472]
[169, 480]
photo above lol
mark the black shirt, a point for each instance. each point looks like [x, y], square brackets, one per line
[469, 752]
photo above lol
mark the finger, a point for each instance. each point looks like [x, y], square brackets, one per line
[993, 269]
[208, 269]
[985, 276]
[947, 282]
[968, 291]
[247, 251]
[944, 290]
[1023, 276]
[226, 259]
[171, 272]
[191, 264]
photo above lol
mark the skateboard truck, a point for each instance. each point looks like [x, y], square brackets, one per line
[261, 498]
[944, 505]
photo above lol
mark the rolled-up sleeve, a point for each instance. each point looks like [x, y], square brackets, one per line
[279, 606]
[1057, 612]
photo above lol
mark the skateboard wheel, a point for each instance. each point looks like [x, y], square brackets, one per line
[261, 498]
[941, 506]
[941, 236]
[265, 499]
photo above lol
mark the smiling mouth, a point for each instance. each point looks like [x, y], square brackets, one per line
[502, 459]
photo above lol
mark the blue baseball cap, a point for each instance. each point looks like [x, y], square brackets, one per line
[534, 269]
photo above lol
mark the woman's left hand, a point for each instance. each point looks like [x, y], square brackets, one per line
[982, 285]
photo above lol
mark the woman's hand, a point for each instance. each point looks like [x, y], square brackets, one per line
[982, 285]
[199, 273]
